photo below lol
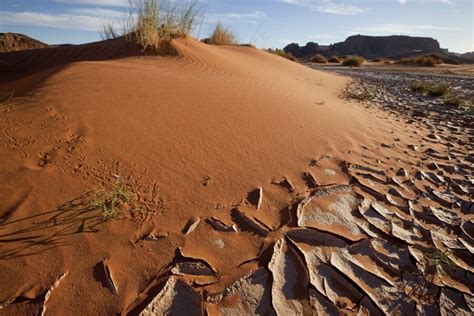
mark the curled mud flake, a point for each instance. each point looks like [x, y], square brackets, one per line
[103, 273]
[206, 181]
[50, 291]
[286, 184]
[384, 295]
[288, 274]
[332, 212]
[249, 295]
[245, 223]
[176, 298]
[220, 226]
[193, 268]
[446, 216]
[255, 197]
[191, 225]
[452, 303]
[310, 180]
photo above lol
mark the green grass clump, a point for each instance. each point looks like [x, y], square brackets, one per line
[281, 53]
[439, 258]
[222, 36]
[319, 59]
[430, 89]
[353, 61]
[112, 203]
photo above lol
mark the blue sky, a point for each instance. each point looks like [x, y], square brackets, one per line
[265, 23]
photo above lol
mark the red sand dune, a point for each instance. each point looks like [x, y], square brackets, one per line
[237, 116]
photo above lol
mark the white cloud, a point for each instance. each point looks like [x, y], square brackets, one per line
[328, 6]
[118, 3]
[450, 2]
[249, 17]
[75, 19]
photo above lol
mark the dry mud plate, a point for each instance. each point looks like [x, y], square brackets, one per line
[241, 183]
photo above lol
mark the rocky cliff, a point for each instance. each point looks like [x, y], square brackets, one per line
[386, 46]
[371, 47]
[310, 49]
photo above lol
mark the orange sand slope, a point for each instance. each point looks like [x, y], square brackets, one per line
[322, 229]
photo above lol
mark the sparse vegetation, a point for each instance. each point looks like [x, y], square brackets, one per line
[356, 92]
[319, 59]
[453, 101]
[281, 53]
[222, 36]
[111, 204]
[439, 258]
[334, 59]
[108, 32]
[154, 24]
[377, 60]
[430, 89]
[427, 60]
[353, 61]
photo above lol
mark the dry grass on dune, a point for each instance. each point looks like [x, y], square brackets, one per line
[334, 59]
[222, 36]
[153, 24]
[430, 60]
[319, 59]
[353, 61]
[281, 53]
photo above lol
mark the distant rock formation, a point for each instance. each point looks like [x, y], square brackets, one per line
[386, 46]
[395, 46]
[302, 51]
[10, 42]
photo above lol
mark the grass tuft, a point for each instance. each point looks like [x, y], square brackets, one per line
[281, 53]
[319, 59]
[353, 61]
[430, 60]
[430, 89]
[153, 24]
[334, 59]
[111, 204]
[359, 93]
[222, 36]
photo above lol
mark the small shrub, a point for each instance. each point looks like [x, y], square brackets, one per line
[353, 61]
[222, 36]
[430, 89]
[356, 92]
[319, 59]
[281, 53]
[427, 60]
[419, 86]
[111, 204]
[334, 59]
[377, 60]
[438, 90]
[454, 101]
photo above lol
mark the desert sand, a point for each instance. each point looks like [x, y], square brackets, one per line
[259, 190]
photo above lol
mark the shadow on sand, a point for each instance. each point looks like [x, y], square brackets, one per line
[48, 230]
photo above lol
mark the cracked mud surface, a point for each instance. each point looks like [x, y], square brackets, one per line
[377, 220]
